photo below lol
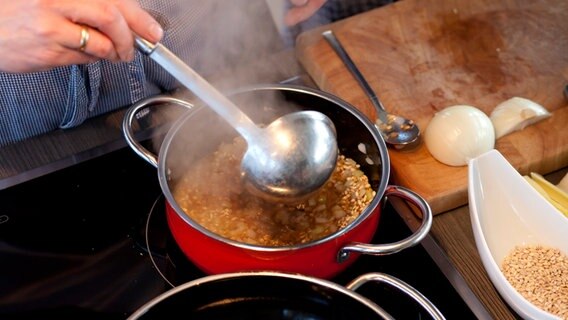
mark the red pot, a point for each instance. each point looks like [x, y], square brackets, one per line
[192, 136]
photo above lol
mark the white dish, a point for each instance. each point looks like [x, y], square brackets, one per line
[507, 211]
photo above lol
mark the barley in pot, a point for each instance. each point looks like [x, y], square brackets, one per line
[212, 194]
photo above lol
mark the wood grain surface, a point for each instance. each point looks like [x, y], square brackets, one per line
[423, 56]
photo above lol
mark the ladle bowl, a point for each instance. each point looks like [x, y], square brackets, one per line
[293, 159]
[287, 161]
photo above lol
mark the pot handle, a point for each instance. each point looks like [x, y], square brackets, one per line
[400, 285]
[129, 118]
[412, 240]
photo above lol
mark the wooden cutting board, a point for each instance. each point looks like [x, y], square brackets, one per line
[421, 56]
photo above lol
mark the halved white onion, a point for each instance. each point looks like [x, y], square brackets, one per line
[459, 133]
[516, 114]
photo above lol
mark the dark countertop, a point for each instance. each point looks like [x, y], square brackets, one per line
[56, 261]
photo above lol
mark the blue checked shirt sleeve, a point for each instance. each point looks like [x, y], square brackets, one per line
[36, 103]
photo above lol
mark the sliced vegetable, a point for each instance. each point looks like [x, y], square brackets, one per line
[538, 188]
[563, 184]
[556, 196]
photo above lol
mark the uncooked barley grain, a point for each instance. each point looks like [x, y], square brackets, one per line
[540, 274]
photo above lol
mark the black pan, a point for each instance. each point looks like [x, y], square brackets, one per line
[273, 295]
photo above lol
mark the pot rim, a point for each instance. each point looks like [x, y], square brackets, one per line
[265, 274]
[369, 210]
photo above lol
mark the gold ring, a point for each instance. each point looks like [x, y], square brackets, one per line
[84, 38]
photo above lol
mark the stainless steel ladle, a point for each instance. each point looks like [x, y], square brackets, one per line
[286, 161]
[397, 131]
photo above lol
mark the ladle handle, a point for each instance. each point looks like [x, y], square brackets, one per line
[143, 45]
[336, 45]
[198, 85]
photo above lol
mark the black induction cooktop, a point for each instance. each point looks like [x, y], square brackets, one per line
[91, 242]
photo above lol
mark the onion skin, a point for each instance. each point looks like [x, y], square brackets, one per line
[516, 114]
[459, 133]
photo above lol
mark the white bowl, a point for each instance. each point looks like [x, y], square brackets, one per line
[506, 211]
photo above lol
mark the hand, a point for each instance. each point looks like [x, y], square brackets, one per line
[43, 34]
[301, 10]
